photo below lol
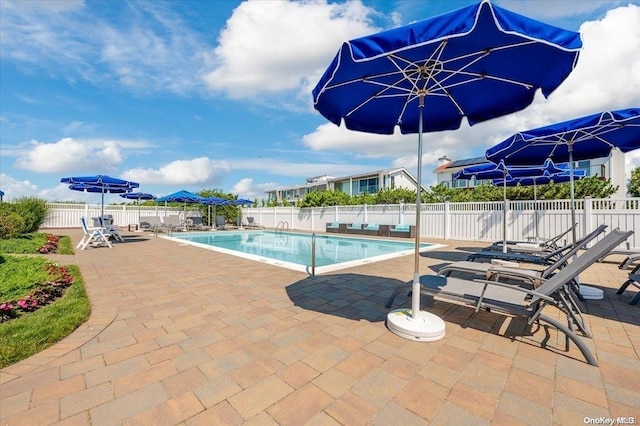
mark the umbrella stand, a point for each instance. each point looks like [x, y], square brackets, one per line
[416, 324]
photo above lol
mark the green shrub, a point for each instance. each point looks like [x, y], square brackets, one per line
[33, 211]
[11, 225]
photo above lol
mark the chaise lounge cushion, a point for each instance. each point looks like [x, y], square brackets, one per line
[403, 230]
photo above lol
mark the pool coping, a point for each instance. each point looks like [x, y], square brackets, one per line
[306, 268]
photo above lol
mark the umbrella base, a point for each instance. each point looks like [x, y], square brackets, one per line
[591, 293]
[426, 328]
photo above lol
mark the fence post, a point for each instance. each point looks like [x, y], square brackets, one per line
[365, 213]
[401, 213]
[335, 214]
[587, 216]
[447, 220]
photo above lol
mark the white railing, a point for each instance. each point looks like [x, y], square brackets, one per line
[477, 221]
[474, 221]
[63, 215]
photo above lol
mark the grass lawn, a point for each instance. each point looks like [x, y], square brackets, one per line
[32, 332]
[30, 243]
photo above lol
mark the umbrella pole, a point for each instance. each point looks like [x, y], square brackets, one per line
[102, 204]
[573, 207]
[504, 212]
[417, 325]
[535, 208]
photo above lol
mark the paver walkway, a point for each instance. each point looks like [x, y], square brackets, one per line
[182, 335]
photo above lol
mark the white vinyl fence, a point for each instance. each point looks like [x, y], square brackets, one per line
[477, 221]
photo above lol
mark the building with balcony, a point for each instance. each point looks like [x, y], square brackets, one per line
[611, 167]
[364, 183]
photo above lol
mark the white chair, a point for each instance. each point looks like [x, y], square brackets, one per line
[110, 229]
[93, 236]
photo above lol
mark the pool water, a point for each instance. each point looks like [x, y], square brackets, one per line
[293, 250]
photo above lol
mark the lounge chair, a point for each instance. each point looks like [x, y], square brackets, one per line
[355, 228]
[522, 302]
[539, 257]
[110, 229]
[548, 244]
[630, 261]
[336, 227]
[171, 223]
[150, 223]
[496, 271]
[632, 255]
[251, 223]
[403, 230]
[221, 223]
[634, 280]
[195, 223]
[92, 235]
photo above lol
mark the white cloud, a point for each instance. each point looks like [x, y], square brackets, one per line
[298, 168]
[272, 46]
[14, 188]
[70, 155]
[181, 172]
[245, 188]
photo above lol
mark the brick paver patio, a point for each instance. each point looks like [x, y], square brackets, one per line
[182, 335]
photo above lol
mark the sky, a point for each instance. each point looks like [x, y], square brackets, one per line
[215, 94]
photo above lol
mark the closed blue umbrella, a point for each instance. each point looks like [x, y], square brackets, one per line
[479, 62]
[583, 138]
[1, 195]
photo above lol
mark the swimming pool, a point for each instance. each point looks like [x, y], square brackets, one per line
[293, 250]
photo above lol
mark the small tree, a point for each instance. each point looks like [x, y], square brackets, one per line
[633, 187]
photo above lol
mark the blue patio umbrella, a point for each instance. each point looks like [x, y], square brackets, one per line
[100, 183]
[138, 196]
[182, 197]
[213, 201]
[479, 62]
[583, 138]
[546, 177]
[100, 189]
[486, 171]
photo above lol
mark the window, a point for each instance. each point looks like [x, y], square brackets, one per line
[584, 165]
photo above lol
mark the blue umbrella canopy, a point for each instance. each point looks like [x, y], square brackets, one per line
[100, 181]
[497, 171]
[583, 138]
[541, 180]
[138, 196]
[479, 62]
[182, 197]
[242, 202]
[100, 184]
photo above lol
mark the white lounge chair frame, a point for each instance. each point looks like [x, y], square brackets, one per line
[93, 236]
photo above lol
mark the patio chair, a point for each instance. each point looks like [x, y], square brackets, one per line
[632, 255]
[336, 227]
[492, 271]
[548, 244]
[251, 223]
[171, 223]
[630, 261]
[92, 235]
[221, 223]
[403, 230]
[522, 302]
[150, 223]
[355, 228]
[110, 229]
[196, 223]
[539, 257]
[634, 280]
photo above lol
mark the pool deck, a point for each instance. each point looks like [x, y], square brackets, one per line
[182, 335]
